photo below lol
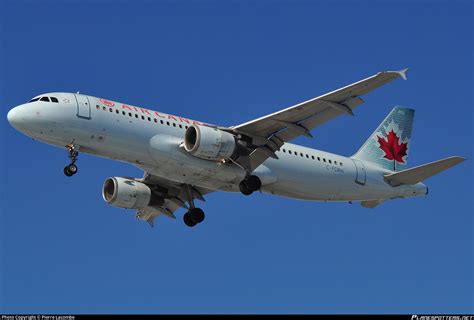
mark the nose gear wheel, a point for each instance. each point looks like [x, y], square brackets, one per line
[73, 153]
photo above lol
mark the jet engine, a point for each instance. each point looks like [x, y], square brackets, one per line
[129, 194]
[209, 143]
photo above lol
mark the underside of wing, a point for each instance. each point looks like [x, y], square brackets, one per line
[174, 195]
[271, 131]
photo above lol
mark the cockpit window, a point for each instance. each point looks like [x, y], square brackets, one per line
[47, 99]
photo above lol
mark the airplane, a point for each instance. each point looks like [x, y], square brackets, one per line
[184, 159]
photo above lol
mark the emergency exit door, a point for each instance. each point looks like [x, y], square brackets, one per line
[83, 106]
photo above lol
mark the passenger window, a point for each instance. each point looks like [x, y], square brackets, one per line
[330, 161]
[97, 107]
[104, 108]
[324, 160]
[307, 156]
[289, 151]
[161, 121]
[123, 112]
[155, 120]
[167, 122]
[341, 164]
[180, 126]
[44, 99]
[117, 112]
[312, 157]
[110, 109]
[55, 100]
[186, 127]
[174, 124]
[129, 114]
[284, 151]
[136, 116]
[143, 117]
[301, 154]
[319, 159]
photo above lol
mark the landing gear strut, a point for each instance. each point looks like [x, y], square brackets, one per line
[73, 152]
[250, 184]
[194, 215]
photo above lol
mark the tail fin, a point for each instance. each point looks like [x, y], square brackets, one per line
[389, 145]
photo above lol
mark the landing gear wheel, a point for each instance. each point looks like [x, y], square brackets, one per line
[249, 185]
[197, 215]
[66, 171]
[254, 183]
[245, 188]
[188, 220]
[70, 170]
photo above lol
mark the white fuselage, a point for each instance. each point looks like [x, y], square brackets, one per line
[151, 140]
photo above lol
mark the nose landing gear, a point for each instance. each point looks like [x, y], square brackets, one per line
[73, 153]
[250, 184]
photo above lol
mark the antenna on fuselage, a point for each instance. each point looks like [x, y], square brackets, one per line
[77, 92]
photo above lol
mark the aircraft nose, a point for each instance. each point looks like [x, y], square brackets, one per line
[16, 117]
[13, 116]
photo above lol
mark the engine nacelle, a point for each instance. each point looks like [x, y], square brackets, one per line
[209, 143]
[129, 194]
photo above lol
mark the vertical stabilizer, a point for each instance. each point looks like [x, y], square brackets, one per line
[389, 145]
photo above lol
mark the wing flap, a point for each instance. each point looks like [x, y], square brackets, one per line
[172, 194]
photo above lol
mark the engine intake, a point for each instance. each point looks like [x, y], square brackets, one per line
[129, 194]
[209, 143]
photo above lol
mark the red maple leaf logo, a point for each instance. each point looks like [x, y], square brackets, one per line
[393, 150]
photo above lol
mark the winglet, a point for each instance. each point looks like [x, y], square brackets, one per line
[403, 73]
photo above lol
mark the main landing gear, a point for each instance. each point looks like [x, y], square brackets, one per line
[195, 215]
[250, 184]
[73, 151]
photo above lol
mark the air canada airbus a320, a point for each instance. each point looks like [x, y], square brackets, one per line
[183, 160]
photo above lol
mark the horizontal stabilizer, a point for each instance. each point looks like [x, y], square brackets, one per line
[421, 173]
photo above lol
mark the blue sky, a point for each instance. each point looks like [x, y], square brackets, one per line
[62, 249]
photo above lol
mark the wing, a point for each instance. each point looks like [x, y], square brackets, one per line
[271, 131]
[175, 196]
